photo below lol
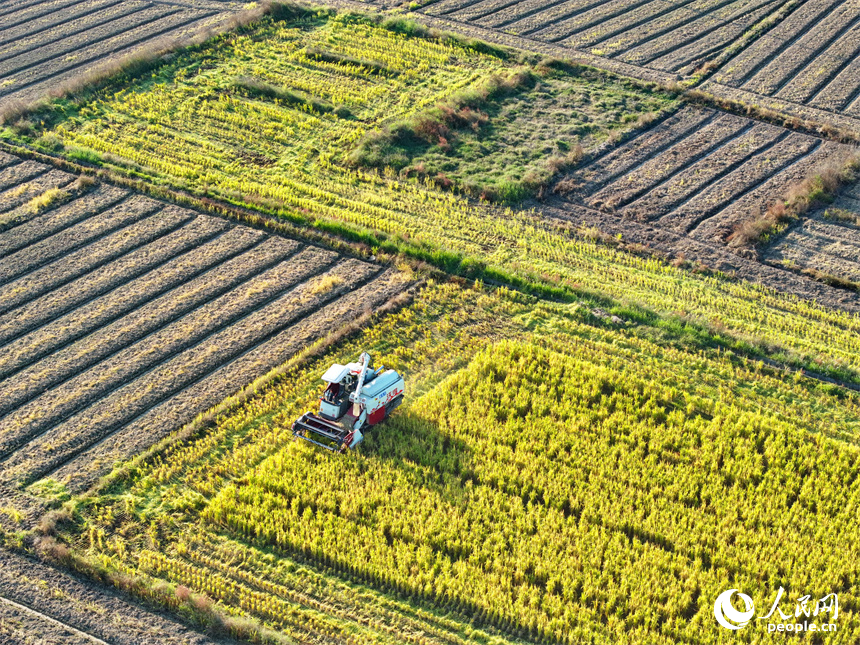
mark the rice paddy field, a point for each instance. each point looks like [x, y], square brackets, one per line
[617, 406]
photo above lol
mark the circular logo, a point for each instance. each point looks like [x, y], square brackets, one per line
[727, 615]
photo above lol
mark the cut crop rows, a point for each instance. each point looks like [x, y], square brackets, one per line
[121, 313]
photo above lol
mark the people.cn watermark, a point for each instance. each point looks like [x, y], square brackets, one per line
[730, 617]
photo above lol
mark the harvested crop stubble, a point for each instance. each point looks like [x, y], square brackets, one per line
[723, 224]
[87, 258]
[669, 194]
[495, 519]
[155, 331]
[15, 175]
[74, 237]
[721, 193]
[657, 168]
[107, 278]
[162, 333]
[57, 219]
[85, 469]
[60, 442]
[19, 195]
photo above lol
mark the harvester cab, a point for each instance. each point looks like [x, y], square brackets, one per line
[356, 397]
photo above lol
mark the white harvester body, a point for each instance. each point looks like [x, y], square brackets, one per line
[356, 398]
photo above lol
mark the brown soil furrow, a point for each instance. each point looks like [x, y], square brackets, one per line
[7, 160]
[173, 282]
[14, 176]
[94, 17]
[60, 443]
[562, 28]
[691, 32]
[656, 29]
[534, 14]
[53, 19]
[107, 278]
[88, 607]
[134, 345]
[90, 257]
[74, 237]
[621, 31]
[680, 188]
[446, 7]
[842, 91]
[696, 48]
[782, 68]
[738, 183]
[99, 49]
[87, 467]
[57, 219]
[17, 16]
[471, 11]
[15, 207]
[639, 150]
[719, 227]
[673, 161]
[39, 53]
[819, 72]
[23, 622]
[784, 35]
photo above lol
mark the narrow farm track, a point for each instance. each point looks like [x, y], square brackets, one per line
[45, 43]
[122, 318]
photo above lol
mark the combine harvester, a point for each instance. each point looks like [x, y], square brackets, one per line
[356, 398]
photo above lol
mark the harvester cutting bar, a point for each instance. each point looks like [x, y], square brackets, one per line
[309, 423]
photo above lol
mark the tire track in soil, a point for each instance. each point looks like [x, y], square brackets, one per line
[630, 27]
[724, 172]
[708, 143]
[24, 233]
[688, 228]
[114, 50]
[57, 21]
[790, 73]
[691, 40]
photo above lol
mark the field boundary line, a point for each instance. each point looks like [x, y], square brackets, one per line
[786, 109]
[525, 44]
[58, 623]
